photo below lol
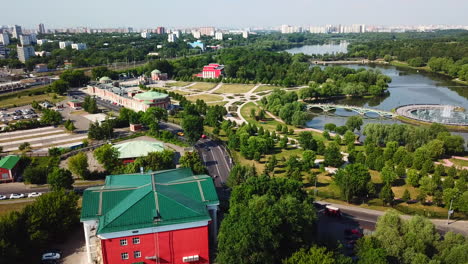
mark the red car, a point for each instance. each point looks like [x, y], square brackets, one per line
[203, 136]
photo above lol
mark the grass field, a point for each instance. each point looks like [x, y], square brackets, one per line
[203, 86]
[263, 88]
[27, 97]
[177, 84]
[6, 208]
[234, 88]
[205, 97]
[217, 103]
[181, 92]
[459, 162]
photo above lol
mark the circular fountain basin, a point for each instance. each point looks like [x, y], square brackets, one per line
[442, 114]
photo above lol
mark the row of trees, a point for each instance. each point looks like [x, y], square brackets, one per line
[38, 225]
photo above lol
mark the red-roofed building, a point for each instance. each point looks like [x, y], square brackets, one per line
[8, 168]
[211, 71]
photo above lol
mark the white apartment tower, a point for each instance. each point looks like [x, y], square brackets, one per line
[64, 44]
[17, 31]
[5, 39]
[25, 52]
[219, 35]
[171, 37]
[78, 46]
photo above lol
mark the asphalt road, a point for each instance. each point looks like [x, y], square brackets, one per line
[367, 218]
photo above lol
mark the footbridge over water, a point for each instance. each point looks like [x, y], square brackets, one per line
[357, 109]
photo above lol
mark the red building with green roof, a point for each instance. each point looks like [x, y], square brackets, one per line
[158, 217]
[8, 168]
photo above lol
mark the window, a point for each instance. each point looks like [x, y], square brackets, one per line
[124, 255]
[136, 240]
[123, 242]
[137, 254]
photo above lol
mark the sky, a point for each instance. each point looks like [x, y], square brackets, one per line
[230, 13]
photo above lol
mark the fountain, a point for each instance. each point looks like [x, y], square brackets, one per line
[443, 114]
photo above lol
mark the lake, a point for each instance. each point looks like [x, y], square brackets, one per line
[407, 87]
[330, 48]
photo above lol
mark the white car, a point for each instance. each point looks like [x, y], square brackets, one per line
[51, 256]
[16, 195]
[34, 194]
[3, 197]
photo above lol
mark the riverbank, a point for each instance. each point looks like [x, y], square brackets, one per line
[426, 69]
[422, 123]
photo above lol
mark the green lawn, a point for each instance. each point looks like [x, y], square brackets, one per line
[6, 208]
[177, 84]
[217, 103]
[459, 162]
[205, 97]
[203, 86]
[12, 101]
[263, 88]
[234, 88]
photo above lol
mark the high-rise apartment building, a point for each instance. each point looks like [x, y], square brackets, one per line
[207, 31]
[160, 30]
[146, 35]
[245, 34]
[17, 31]
[172, 37]
[64, 44]
[3, 52]
[4, 38]
[25, 40]
[196, 34]
[219, 36]
[25, 52]
[78, 46]
[41, 29]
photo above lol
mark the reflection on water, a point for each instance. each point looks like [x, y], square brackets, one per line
[407, 87]
[330, 48]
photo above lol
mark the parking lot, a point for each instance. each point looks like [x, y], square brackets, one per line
[18, 113]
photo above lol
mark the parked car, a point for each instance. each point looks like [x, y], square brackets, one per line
[3, 197]
[16, 195]
[34, 194]
[51, 256]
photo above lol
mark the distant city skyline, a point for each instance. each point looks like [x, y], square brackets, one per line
[232, 13]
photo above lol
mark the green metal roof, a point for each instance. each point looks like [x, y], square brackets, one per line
[105, 78]
[133, 201]
[9, 162]
[150, 95]
[138, 148]
[156, 71]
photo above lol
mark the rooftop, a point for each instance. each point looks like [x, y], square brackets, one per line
[9, 162]
[139, 148]
[133, 201]
[150, 95]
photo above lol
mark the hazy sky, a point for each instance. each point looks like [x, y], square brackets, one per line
[227, 13]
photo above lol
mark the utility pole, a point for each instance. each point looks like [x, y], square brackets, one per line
[449, 212]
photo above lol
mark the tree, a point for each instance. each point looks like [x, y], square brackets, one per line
[388, 175]
[315, 255]
[239, 174]
[386, 194]
[354, 122]
[349, 137]
[193, 127]
[406, 196]
[35, 175]
[51, 117]
[25, 146]
[69, 125]
[76, 78]
[353, 180]
[307, 141]
[60, 179]
[192, 160]
[78, 165]
[333, 155]
[412, 177]
[370, 251]
[242, 240]
[90, 105]
[308, 159]
[108, 156]
[60, 87]
[154, 115]
[299, 118]
[330, 127]
[427, 185]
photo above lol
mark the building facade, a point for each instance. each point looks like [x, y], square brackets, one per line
[8, 168]
[171, 37]
[25, 52]
[157, 75]
[219, 35]
[25, 40]
[130, 98]
[160, 30]
[211, 71]
[160, 217]
[207, 31]
[78, 46]
[17, 31]
[64, 44]
[5, 39]
[41, 29]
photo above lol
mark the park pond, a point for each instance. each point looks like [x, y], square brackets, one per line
[408, 86]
